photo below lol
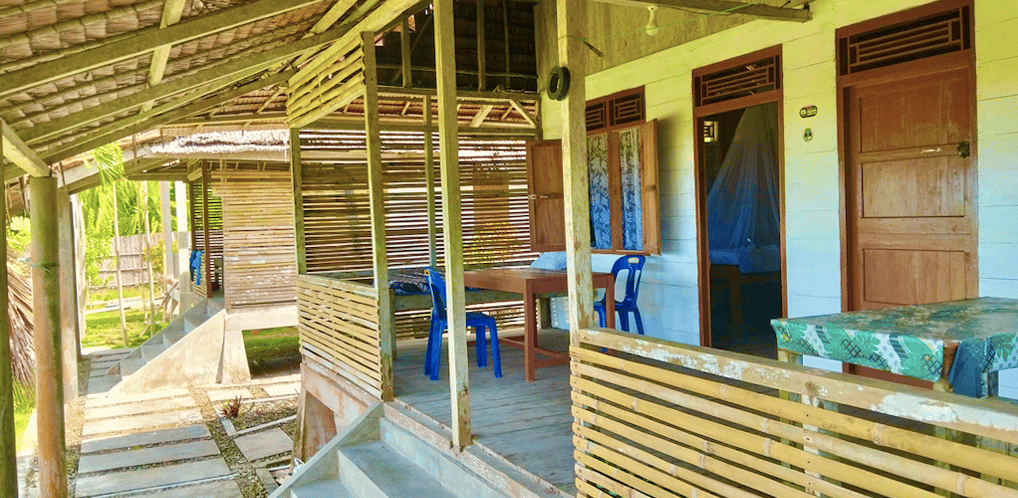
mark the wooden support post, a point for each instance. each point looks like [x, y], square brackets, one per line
[116, 261]
[505, 33]
[572, 20]
[184, 245]
[429, 179]
[452, 229]
[376, 194]
[68, 297]
[46, 317]
[143, 194]
[205, 190]
[169, 262]
[8, 437]
[404, 45]
[482, 78]
[297, 174]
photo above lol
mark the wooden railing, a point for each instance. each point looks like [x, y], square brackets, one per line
[339, 329]
[660, 419]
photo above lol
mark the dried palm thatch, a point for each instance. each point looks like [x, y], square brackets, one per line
[20, 309]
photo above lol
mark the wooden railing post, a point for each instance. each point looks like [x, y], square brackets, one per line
[429, 179]
[376, 192]
[297, 174]
[572, 19]
[445, 59]
[68, 297]
[49, 368]
[8, 452]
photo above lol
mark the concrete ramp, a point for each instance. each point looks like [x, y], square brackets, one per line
[193, 349]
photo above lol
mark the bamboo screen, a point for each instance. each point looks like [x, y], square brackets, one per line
[199, 190]
[661, 419]
[337, 223]
[259, 248]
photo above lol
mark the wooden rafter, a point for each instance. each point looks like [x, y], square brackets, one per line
[481, 115]
[523, 112]
[172, 11]
[160, 116]
[23, 79]
[211, 73]
[17, 152]
[712, 6]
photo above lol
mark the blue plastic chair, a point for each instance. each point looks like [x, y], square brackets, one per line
[634, 266]
[439, 322]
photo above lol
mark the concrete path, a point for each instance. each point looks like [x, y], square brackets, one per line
[162, 444]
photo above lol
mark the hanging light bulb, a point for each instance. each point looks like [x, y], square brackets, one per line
[652, 23]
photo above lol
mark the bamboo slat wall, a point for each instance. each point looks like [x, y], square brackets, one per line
[259, 247]
[214, 231]
[329, 82]
[661, 419]
[339, 329]
[496, 230]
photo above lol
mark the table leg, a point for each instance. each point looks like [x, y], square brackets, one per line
[529, 334]
[609, 305]
[543, 313]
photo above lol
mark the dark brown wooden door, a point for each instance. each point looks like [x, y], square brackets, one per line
[911, 190]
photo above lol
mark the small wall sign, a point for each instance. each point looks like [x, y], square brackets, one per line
[808, 111]
[807, 134]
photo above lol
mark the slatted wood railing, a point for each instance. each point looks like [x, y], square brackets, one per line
[660, 419]
[339, 329]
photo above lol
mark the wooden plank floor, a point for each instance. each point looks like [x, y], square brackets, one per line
[528, 423]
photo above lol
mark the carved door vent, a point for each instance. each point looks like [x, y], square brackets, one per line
[617, 109]
[741, 81]
[917, 39]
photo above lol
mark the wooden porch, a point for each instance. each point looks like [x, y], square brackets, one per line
[527, 423]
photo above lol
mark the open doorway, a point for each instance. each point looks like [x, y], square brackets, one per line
[740, 168]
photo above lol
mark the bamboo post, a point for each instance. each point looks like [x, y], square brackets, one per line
[68, 296]
[297, 174]
[143, 194]
[116, 261]
[376, 194]
[183, 246]
[429, 179]
[572, 19]
[205, 189]
[482, 78]
[169, 266]
[49, 367]
[452, 229]
[404, 47]
[8, 437]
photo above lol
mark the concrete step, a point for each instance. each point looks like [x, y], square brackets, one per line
[130, 365]
[324, 489]
[170, 337]
[376, 470]
[150, 351]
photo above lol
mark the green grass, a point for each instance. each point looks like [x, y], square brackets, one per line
[97, 298]
[267, 344]
[24, 403]
[103, 328]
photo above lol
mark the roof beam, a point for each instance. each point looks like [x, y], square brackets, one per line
[172, 11]
[258, 61]
[523, 112]
[22, 79]
[726, 6]
[17, 152]
[481, 115]
[162, 115]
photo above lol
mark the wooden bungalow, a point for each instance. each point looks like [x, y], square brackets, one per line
[875, 116]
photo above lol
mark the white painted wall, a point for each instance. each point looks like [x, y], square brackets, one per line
[669, 296]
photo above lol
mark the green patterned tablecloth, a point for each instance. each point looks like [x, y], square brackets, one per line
[910, 340]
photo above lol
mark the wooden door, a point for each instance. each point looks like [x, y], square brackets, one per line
[545, 194]
[911, 190]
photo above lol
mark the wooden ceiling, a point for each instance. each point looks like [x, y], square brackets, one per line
[77, 74]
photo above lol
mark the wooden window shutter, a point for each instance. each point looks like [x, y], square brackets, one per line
[651, 204]
[546, 196]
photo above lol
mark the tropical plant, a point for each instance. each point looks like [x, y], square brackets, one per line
[19, 308]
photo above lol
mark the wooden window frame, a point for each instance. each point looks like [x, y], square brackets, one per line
[650, 197]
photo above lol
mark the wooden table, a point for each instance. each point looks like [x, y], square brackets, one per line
[533, 284]
[956, 345]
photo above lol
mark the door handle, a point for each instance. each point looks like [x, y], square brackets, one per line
[964, 149]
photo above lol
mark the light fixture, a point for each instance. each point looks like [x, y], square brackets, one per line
[652, 22]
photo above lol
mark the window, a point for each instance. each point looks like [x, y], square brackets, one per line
[622, 162]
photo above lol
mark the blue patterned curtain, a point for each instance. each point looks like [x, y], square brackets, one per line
[632, 210]
[600, 207]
